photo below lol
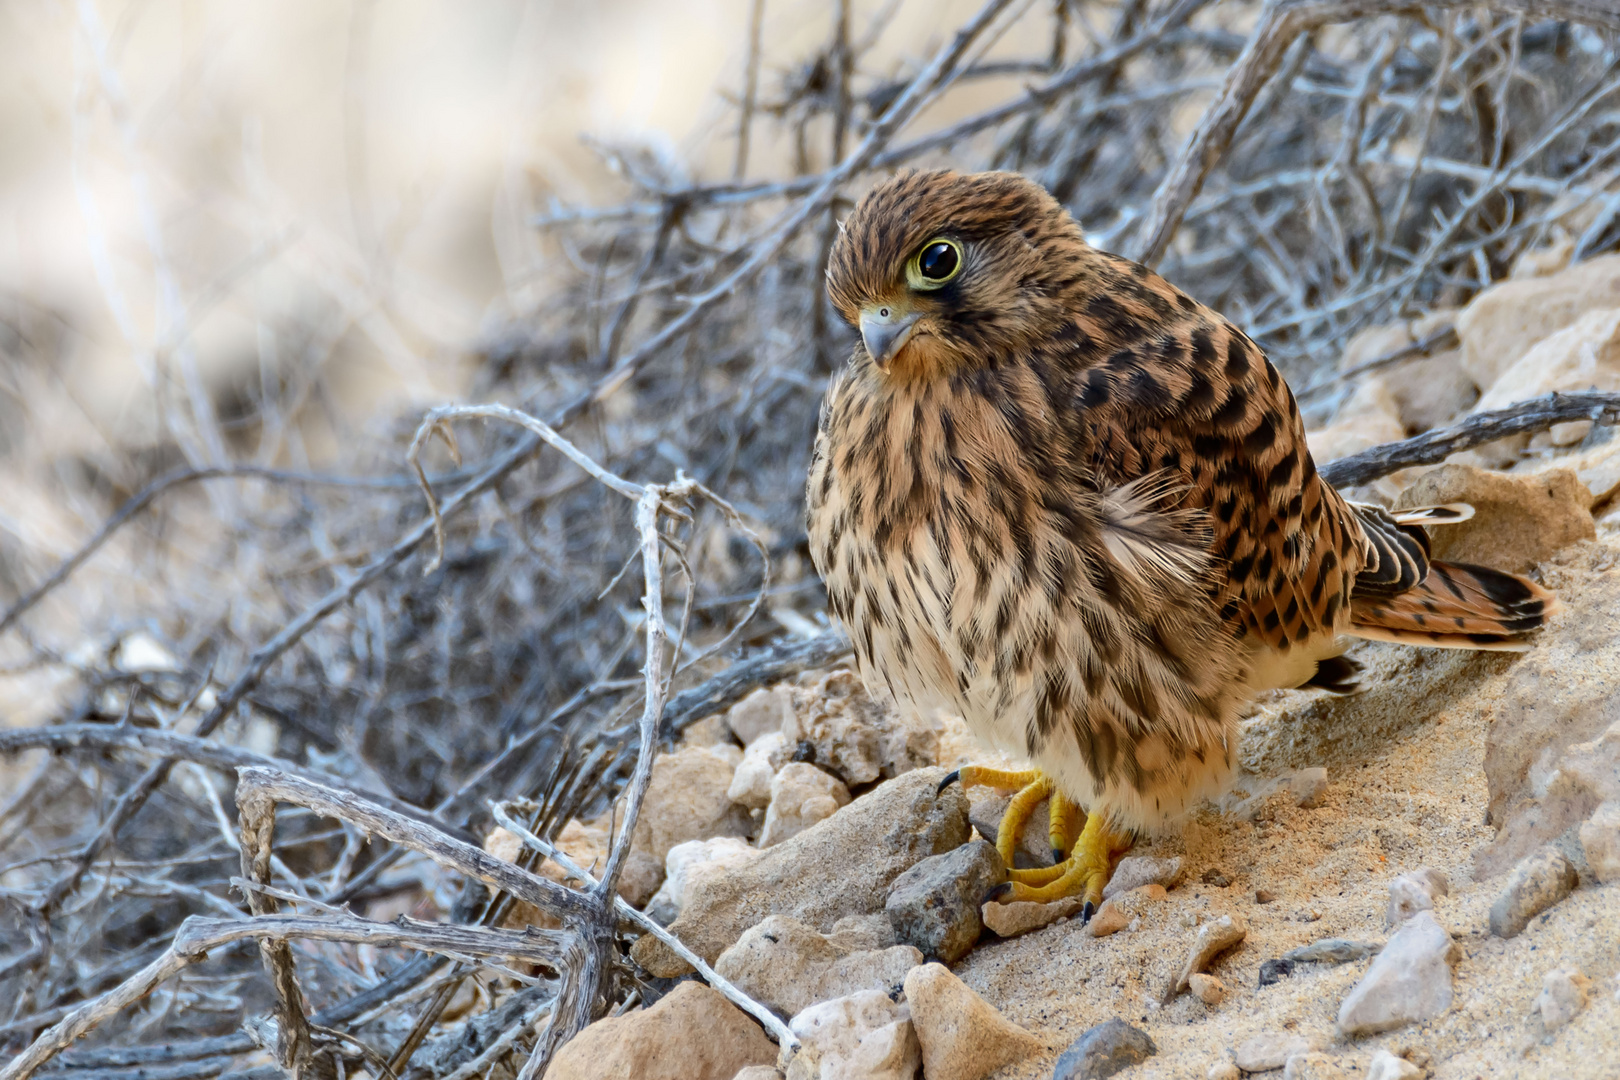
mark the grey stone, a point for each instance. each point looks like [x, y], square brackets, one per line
[1034, 847]
[1564, 993]
[838, 867]
[1410, 980]
[1270, 1050]
[1103, 1050]
[786, 966]
[1332, 951]
[935, 904]
[1536, 884]
[1275, 971]
[1134, 871]
[1414, 892]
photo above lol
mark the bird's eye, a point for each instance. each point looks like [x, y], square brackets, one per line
[936, 264]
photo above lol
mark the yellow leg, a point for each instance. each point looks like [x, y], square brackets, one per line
[1085, 872]
[1031, 786]
[1061, 829]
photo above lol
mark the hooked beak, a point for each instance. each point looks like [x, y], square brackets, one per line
[885, 329]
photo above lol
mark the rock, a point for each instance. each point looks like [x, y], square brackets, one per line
[1536, 884]
[1427, 390]
[759, 1072]
[1034, 843]
[1410, 980]
[687, 800]
[1313, 1066]
[1548, 761]
[1270, 1050]
[1124, 910]
[1386, 1066]
[857, 932]
[764, 711]
[1332, 951]
[1264, 896]
[1367, 418]
[692, 1033]
[1600, 840]
[1583, 356]
[1276, 970]
[1214, 937]
[837, 726]
[787, 966]
[1216, 877]
[1414, 892]
[1134, 871]
[1309, 787]
[1564, 993]
[1504, 321]
[801, 795]
[1207, 988]
[1224, 1070]
[709, 731]
[1022, 916]
[685, 862]
[963, 1037]
[935, 904]
[587, 846]
[1104, 1050]
[751, 783]
[841, 866]
[1518, 522]
[864, 1036]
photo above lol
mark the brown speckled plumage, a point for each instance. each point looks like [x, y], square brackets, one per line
[1076, 506]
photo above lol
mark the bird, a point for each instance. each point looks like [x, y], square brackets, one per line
[1052, 493]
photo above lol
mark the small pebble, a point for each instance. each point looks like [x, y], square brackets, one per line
[1108, 920]
[1332, 951]
[1275, 971]
[1264, 896]
[1214, 937]
[1414, 892]
[1309, 787]
[1600, 840]
[1386, 1066]
[1104, 1050]
[1270, 1050]
[1215, 877]
[1225, 1070]
[1410, 980]
[1135, 871]
[1022, 916]
[1207, 988]
[1536, 884]
[1564, 993]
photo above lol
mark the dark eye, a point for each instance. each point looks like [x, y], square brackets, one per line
[938, 261]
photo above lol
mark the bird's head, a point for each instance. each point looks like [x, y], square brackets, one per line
[941, 271]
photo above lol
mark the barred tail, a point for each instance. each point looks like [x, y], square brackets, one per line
[1456, 607]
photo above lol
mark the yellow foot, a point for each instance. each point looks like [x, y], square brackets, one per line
[1084, 872]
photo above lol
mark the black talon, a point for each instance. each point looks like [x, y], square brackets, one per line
[1057, 855]
[950, 778]
[997, 893]
[1087, 912]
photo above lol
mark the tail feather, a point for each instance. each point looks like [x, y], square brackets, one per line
[1458, 607]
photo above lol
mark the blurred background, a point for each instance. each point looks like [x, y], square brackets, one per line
[245, 245]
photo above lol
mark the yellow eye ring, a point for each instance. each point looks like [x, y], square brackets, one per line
[936, 264]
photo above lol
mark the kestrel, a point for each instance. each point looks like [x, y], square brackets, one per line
[1056, 495]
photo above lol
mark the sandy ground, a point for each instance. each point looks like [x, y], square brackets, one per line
[1407, 789]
